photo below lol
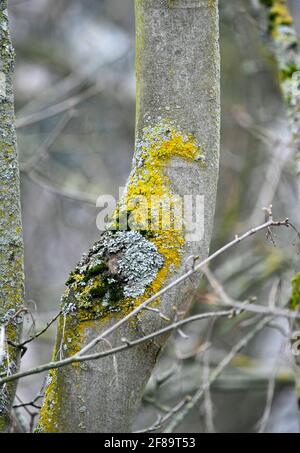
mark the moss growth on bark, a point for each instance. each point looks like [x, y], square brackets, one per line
[11, 244]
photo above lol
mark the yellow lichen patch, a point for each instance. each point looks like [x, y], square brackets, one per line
[133, 261]
[70, 339]
[148, 180]
[47, 416]
[279, 15]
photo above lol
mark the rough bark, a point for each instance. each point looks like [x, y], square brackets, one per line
[177, 151]
[11, 244]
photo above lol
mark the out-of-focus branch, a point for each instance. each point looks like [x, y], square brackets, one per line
[127, 344]
[31, 169]
[286, 50]
[238, 306]
[41, 332]
[195, 268]
[48, 142]
[184, 411]
[65, 192]
[60, 107]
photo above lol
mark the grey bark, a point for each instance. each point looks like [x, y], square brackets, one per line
[177, 79]
[11, 244]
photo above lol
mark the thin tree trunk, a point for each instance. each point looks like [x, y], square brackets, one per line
[11, 243]
[285, 48]
[177, 123]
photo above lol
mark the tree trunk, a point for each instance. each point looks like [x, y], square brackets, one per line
[11, 244]
[176, 152]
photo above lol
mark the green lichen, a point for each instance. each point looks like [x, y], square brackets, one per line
[287, 72]
[295, 296]
[172, 3]
[118, 268]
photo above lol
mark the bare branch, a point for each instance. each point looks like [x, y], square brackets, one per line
[181, 414]
[41, 332]
[80, 356]
[126, 345]
[267, 225]
[48, 142]
[247, 305]
[64, 106]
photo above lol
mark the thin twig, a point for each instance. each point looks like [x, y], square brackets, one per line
[48, 142]
[41, 332]
[60, 107]
[267, 225]
[161, 421]
[247, 305]
[263, 423]
[208, 405]
[126, 345]
[66, 192]
[80, 355]
[215, 374]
